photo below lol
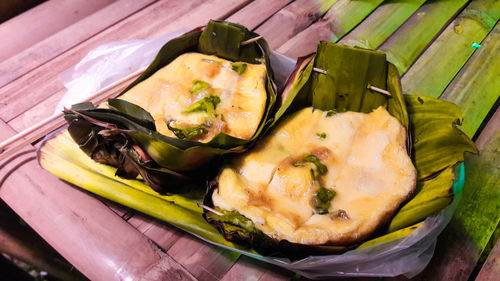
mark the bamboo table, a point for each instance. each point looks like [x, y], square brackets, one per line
[431, 43]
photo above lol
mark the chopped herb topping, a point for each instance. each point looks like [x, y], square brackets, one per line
[198, 86]
[311, 158]
[207, 104]
[321, 135]
[239, 67]
[186, 132]
[322, 200]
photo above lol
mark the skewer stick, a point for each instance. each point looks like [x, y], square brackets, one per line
[4, 152]
[378, 90]
[319, 70]
[373, 88]
[210, 209]
[251, 40]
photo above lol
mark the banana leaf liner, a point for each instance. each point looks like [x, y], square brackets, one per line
[434, 142]
[125, 135]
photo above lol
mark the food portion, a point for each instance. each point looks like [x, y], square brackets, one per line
[198, 96]
[321, 178]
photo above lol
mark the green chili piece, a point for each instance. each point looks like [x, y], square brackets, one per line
[207, 104]
[198, 86]
[239, 67]
[322, 200]
[311, 158]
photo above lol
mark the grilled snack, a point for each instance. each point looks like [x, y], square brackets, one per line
[337, 165]
[204, 95]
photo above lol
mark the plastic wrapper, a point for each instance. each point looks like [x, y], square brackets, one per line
[407, 256]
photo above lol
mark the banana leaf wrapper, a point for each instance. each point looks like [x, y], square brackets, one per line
[125, 135]
[433, 140]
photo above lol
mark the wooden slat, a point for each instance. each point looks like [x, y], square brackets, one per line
[491, 269]
[154, 20]
[256, 12]
[342, 17]
[162, 234]
[46, 108]
[78, 226]
[248, 269]
[38, 53]
[476, 87]
[42, 83]
[40, 22]
[460, 245]
[381, 23]
[204, 261]
[292, 19]
[437, 66]
[404, 46]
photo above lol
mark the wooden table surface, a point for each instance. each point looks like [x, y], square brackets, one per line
[429, 41]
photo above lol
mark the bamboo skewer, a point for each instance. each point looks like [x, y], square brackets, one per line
[319, 70]
[210, 209]
[243, 43]
[378, 90]
[5, 150]
[373, 88]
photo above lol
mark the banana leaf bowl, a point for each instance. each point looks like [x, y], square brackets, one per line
[125, 136]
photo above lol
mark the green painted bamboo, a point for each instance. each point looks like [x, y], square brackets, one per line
[381, 23]
[437, 66]
[404, 46]
[477, 86]
[347, 14]
[342, 17]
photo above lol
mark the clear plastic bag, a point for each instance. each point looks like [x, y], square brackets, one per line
[404, 256]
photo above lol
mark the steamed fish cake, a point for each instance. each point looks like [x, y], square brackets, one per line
[321, 178]
[198, 96]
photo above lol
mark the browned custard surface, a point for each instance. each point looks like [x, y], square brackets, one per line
[276, 187]
[204, 92]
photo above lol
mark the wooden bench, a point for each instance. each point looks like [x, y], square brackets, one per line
[429, 41]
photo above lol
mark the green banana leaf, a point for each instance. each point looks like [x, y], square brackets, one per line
[430, 123]
[125, 135]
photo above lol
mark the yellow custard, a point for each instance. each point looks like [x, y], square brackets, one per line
[179, 94]
[368, 169]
